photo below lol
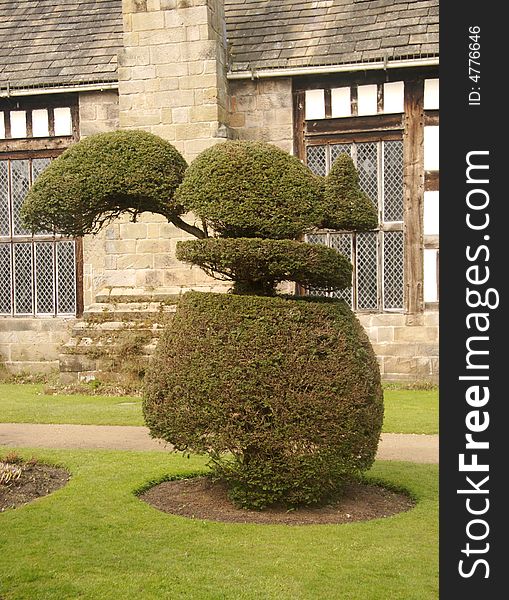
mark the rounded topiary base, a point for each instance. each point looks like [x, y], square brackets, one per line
[284, 394]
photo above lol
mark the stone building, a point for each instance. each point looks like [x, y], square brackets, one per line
[315, 77]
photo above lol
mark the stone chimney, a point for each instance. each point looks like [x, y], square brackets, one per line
[172, 71]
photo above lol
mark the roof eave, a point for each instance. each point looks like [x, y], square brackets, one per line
[326, 69]
[9, 92]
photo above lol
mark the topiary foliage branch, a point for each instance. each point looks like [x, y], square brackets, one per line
[251, 189]
[257, 265]
[344, 206]
[104, 176]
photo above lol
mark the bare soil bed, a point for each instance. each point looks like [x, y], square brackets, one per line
[200, 498]
[36, 480]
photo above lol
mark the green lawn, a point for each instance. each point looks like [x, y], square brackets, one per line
[411, 411]
[406, 411]
[94, 539]
[26, 403]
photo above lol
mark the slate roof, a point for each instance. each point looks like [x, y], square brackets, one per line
[66, 42]
[48, 42]
[294, 33]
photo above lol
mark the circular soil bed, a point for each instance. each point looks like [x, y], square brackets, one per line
[35, 481]
[200, 498]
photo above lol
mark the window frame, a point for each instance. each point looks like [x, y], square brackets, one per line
[383, 228]
[410, 124]
[30, 148]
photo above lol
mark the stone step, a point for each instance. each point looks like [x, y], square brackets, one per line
[114, 328]
[168, 295]
[88, 345]
[126, 311]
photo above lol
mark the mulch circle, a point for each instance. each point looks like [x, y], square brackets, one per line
[36, 480]
[200, 498]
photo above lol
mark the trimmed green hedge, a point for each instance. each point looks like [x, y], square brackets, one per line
[344, 204]
[251, 189]
[283, 394]
[257, 266]
[101, 177]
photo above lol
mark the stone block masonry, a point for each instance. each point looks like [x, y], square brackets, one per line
[406, 348]
[32, 344]
[172, 71]
[262, 110]
[98, 112]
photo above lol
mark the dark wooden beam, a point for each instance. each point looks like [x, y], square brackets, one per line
[380, 98]
[354, 101]
[333, 80]
[413, 198]
[31, 145]
[79, 278]
[299, 106]
[348, 138]
[432, 241]
[344, 125]
[432, 181]
[328, 103]
[41, 101]
[431, 117]
[51, 122]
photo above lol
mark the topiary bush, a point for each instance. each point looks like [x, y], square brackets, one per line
[257, 265]
[343, 204]
[283, 394]
[251, 189]
[103, 176]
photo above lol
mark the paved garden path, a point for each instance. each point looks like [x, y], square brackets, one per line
[393, 446]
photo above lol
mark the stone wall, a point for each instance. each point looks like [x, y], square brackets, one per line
[172, 71]
[98, 112]
[262, 110]
[138, 259]
[406, 345]
[32, 344]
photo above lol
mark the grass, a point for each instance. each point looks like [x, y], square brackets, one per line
[25, 403]
[411, 411]
[94, 539]
[406, 411]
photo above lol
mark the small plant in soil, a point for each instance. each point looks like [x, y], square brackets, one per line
[12, 467]
[22, 481]
[9, 473]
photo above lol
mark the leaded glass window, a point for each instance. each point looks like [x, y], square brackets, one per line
[37, 272]
[377, 256]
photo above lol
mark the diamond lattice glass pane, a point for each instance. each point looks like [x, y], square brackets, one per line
[367, 165]
[23, 293]
[316, 160]
[337, 149]
[4, 198]
[5, 280]
[38, 166]
[393, 270]
[393, 180]
[44, 279]
[66, 278]
[20, 179]
[342, 242]
[317, 238]
[367, 281]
